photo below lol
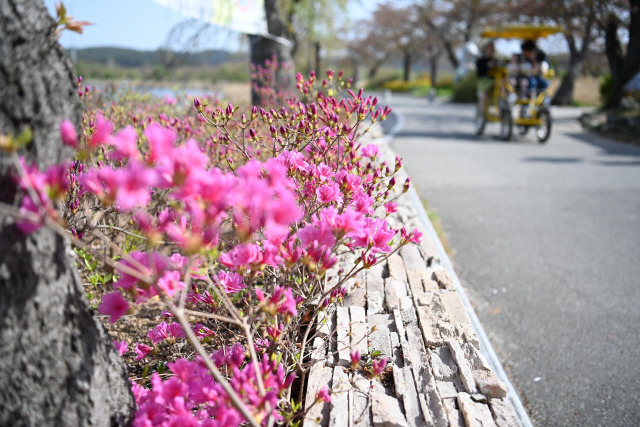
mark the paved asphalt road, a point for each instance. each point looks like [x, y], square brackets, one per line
[546, 242]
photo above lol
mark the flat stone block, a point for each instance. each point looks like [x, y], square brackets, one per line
[464, 369]
[454, 417]
[412, 258]
[391, 299]
[410, 399]
[442, 363]
[489, 384]
[339, 397]
[415, 353]
[426, 384]
[319, 376]
[374, 273]
[358, 314]
[359, 340]
[319, 349]
[475, 414]
[342, 331]
[431, 330]
[447, 389]
[503, 413]
[443, 279]
[324, 328]
[396, 267]
[380, 338]
[360, 408]
[357, 297]
[386, 411]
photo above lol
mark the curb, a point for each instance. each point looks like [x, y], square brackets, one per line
[485, 344]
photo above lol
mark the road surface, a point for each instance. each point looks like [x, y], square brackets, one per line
[546, 242]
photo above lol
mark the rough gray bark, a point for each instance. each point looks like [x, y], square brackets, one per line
[623, 66]
[263, 49]
[57, 364]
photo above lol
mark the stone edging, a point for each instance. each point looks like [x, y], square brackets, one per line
[409, 309]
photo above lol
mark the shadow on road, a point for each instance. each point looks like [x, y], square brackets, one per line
[553, 159]
[609, 147]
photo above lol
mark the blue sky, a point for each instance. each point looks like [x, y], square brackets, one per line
[142, 24]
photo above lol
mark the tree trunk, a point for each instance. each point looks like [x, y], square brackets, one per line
[406, 66]
[564, 94]
[623, 67]
[433, 69]
[57, 364]
[264, 49]
[317, 58]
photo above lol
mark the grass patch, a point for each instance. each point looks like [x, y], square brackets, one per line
[437, 225]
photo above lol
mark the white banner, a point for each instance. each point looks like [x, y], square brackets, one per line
[245, 16]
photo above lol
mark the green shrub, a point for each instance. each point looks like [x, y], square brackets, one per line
[465, 90]
[606, 87]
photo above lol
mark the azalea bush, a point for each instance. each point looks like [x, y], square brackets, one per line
[235, 222]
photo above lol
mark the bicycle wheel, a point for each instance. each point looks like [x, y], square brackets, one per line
[506, 125]
[543, 131]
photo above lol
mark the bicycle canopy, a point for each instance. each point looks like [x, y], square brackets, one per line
[530, 32]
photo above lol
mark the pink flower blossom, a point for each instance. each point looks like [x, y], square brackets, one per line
[391, 207]
[102, 132]
[328, 193]
[231, 282]
[170, 282]
[159, 333]
[121, 347]
[142, 351]
[68, 134]
[242, 256]
[378, 366]
[125, 145]
[323, 395]
[133, 184]
[355, 359]
[370, 150]
[160, 143]
[114, 305]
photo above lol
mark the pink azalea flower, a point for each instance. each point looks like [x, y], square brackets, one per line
[370, 150]
[391, 207]
[242, 255]
[231, 282]
[415, 237]
[121, 346]
[378, 366]
[142, 351]
[328, 193]
[159, 333]
[170, 282]
[68, 134]
[114, 305]
[160, 143]
[288, 306]
[133, 185]
[125, 144]
[31, 219]
[102, 133]
[175, 330]
[355, 359]
[323, 395]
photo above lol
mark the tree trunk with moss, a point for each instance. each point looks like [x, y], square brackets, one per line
[57, 364]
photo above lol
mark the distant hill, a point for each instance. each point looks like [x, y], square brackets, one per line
[136, 58]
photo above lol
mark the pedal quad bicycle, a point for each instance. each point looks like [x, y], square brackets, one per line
[507, 103]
